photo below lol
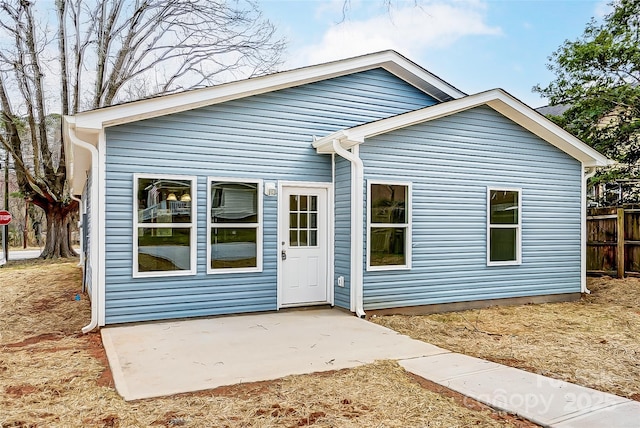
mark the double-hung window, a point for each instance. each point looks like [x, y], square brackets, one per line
[389, 225]
[164, 231]
[234, 220]
[504, 234]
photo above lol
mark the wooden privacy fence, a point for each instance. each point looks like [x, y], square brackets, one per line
[613, 241]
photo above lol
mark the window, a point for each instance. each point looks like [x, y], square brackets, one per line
[303, 220]
[164, 232]
[389, 228]
[234, 239]
[503, 226]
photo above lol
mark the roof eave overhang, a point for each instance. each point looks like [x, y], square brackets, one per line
[78, 161]
[498, 100]
[391, 61]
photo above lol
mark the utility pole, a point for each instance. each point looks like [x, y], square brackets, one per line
[25, 235]
[5, 228]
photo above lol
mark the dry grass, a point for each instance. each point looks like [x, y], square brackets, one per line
[593, 342]
[50, 375]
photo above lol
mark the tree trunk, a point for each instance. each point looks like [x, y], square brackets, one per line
[58, 243]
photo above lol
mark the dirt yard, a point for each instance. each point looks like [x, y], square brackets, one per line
[593, 342]
[52, 375]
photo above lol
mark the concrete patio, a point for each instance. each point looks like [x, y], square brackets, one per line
[156, 359]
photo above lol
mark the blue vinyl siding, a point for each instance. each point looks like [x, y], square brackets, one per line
[265, 137]
[87, 230]
[451, 161]
[342, 227]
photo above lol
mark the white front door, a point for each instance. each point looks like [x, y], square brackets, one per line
[302, 246]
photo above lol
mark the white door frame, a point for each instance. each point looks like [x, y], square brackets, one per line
[330, 235]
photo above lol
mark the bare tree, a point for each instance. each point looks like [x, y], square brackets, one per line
[101, 52]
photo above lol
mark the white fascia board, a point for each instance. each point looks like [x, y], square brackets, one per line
[417, 76]
[173, 103]
[498, 100]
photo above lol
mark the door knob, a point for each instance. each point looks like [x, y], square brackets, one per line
[284, 255]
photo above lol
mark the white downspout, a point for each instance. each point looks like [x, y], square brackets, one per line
[80, 226]
[590, 172]
[357, 214]
[95, 304]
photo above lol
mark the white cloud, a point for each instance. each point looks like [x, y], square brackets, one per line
[432, 25]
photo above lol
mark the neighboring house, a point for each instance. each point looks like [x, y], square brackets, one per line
[367, 183]
[557, 110]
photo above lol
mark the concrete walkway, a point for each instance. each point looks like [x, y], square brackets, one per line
[545, 401]
[156, 359]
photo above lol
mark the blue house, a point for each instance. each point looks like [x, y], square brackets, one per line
[367, 183]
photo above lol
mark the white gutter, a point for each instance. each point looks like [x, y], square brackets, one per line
[95, 304]
[590, 172]
[357, 214]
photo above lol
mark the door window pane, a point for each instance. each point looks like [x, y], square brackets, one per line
[303, 220]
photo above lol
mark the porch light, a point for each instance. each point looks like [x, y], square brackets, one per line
[270, 189]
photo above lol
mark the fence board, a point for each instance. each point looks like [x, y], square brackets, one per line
[606, 227]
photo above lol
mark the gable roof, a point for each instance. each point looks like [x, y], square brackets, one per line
[498, 100]
[88, 126]
[393, 62]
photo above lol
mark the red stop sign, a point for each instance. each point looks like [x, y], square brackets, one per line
[5, 217]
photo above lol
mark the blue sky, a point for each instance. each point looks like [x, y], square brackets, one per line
[473, 44]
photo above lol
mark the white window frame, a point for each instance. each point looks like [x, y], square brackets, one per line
[193, 236]
[258, 225]
[407, 226]
[518, 227]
